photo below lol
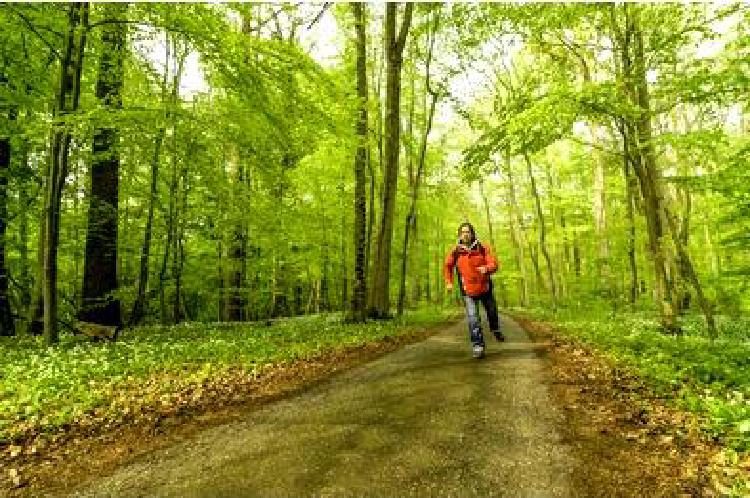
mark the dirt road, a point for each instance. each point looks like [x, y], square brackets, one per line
[426, 420]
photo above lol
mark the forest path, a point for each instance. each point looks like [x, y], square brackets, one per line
[424, 420]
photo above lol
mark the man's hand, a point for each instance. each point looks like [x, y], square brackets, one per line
[482, 269]
[449, 287]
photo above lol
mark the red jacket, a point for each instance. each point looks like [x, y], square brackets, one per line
[469, 260]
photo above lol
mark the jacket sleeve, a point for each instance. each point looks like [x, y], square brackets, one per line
[489, 257]
[450, 262]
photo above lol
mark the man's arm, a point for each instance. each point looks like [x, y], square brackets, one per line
[450, 262]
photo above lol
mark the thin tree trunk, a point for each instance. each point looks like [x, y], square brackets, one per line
[712, 256]
[178, 261]
[542, 232]
[428, 269]
[78, 249]
[370, 219]
[178, 62]
[100, 261]
[380, 301]
[540, 285]
[577, 257]
[323, 291]
[35, 317]
[359, 294]
[487, 212]
[138, 313]
[706, 306]
[220, 277]
[516, 234]
[682, 291]
[488, 218]
[409, 221]
[440, 282]
[560, 278]
[68, 94]
[634, 72]
[375, 187]
[342, 255]
[416, 261]
[7, 327]
[237, 247]
[566, 258]
[404, 257]
[630, 192]
[163, 314]
[24, 199]
[599, 206]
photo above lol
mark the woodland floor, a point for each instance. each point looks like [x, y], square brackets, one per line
[539, 416]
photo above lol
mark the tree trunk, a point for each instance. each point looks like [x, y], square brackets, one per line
[516, 234]
[35, 317]
[542, 232]
[645, 168]
[100, 262]
[682, 291]
[706, 306]
[24, 199]
[237, 247]
[560, 287]
[630, 193]
[409, 221]
[7, 327]
[404, 257]
[599, 206]
[534, 256]
[565, 262]
[377, 131]
[138, 313]
[345, 303]
[411, 217]
[178, 63]
[488, 218]
[178, 261]
[68, 94]
[380, 297]
[428, 270]
[323, 290]
[359, 294]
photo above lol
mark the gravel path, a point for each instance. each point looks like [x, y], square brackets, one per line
[427, 420]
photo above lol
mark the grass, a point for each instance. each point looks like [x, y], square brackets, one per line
[709, 378]
[45, 388]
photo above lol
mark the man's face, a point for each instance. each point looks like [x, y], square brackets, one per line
[465, 235]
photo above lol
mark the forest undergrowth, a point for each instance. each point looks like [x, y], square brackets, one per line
[691, 372]
[46, 389]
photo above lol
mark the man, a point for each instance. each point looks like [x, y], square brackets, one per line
[475, 263]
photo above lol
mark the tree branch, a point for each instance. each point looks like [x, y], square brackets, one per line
[317, 18]
[404, 31]
[38, 35]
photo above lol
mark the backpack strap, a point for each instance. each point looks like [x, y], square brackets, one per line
[480, 248]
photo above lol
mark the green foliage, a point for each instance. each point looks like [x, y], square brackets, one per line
[711, 378]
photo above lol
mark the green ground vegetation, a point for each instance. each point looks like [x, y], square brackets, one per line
[45, 388]
[710, 378]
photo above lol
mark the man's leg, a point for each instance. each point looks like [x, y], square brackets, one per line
[490, 306]
[475, 325]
